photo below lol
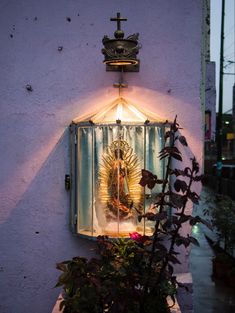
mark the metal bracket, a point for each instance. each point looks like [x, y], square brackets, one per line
[67, 182]
[121, 84]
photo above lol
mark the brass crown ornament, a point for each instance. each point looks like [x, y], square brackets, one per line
[120, 54]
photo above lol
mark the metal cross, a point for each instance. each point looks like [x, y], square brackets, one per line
[118, 19]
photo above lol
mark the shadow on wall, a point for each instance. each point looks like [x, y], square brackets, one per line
[35, 236]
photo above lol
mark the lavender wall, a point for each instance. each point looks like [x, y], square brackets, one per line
[34, 215]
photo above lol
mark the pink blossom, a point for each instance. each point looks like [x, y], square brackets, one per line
[136, 236]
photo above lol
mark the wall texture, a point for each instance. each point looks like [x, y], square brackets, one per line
[34, 156]
[210, 96]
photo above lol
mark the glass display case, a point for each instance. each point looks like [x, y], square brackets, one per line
[108, 151]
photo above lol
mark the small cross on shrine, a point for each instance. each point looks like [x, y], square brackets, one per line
[118, 19]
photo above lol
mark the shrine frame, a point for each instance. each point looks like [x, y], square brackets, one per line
[73, 130]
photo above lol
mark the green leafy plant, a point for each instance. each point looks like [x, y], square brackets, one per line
[136, 275]
[221, 210]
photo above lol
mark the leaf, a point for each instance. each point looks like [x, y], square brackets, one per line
[194, 220]
[148, 179]
[95, 282]
[180, 185]
[177, 172]
[140, 218]
[183, 141]
[206, 223]
[153, 216]
[166, 225]
[160, 216]
[194, 197]
[149, 215]
[195, 165]
[170, 269]
[167, 134]
[193, 241]
[175, 220]
[177, 200]
[198, 178]
[160, 181]
[159, 199]
[173, 259]
[184, 218]
[176, 156]
[163, 156]
[180, 240]
[197, 219]
[160, 247]
[61, 266]
[187, 172]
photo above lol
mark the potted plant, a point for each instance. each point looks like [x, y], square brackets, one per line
[222, 265]
[222, 213]
[223, 219]
[136, 275]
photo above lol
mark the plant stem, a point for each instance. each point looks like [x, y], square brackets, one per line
[157, 224]
[173, 239]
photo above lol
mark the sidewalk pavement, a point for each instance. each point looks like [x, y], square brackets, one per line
[208, 296]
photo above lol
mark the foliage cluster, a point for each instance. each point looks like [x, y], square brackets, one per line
[222, 214]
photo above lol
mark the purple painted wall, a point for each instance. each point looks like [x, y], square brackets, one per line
[34, 214]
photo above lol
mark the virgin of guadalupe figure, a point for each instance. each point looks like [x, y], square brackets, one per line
[118, 185]
[120, 175]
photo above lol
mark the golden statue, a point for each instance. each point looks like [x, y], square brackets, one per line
[119, 191]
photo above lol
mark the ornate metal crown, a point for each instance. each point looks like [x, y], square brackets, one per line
[121, 53]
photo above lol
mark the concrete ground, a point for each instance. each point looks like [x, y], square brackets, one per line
[208, 296]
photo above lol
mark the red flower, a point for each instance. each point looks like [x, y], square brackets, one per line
[136, 236]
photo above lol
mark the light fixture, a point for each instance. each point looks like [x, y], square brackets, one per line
[120, 54]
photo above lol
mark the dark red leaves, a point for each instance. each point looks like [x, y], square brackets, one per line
[193, 241]
[186, 241]
[173, 259]
[148, 179]
[195, 165]
[184, 218]
[168, 134]
[177, 156]
[180, 185]
[194, 197]
[198, 178]
[170, 152]
[198, 219]
[177, 172]
[177, 200]
[153, 216]
[183, 141]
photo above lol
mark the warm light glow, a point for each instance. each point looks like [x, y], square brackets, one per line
[125, 229]
[119, 111]
[137, 113]
[121, 62]
[122, 110]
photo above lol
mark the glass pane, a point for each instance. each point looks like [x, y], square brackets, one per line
[109, 164]
[118, 163]
[154, 144]
[84, 180]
